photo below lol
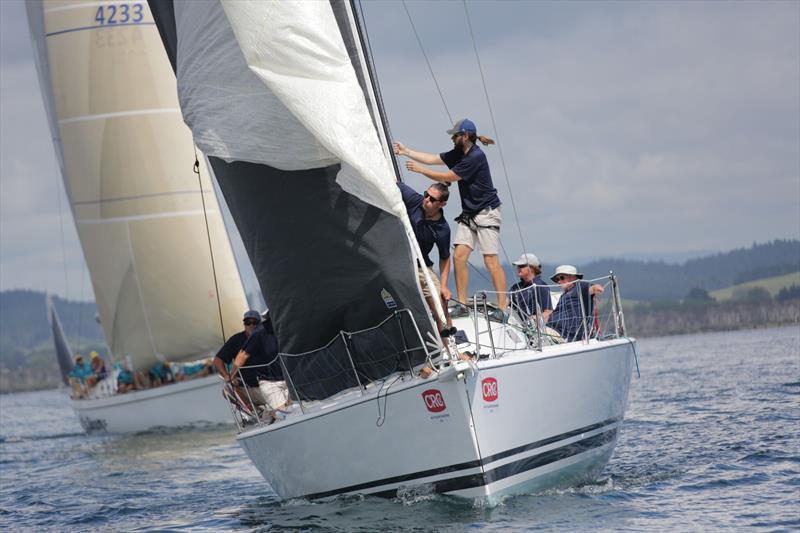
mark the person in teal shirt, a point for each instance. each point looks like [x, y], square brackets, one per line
[77, 378]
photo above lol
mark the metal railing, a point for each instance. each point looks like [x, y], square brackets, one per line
[581, 317]
[348, 364]
[351, 362]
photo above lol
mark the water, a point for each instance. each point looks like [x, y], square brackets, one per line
[711, 440]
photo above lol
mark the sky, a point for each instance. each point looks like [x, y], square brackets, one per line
[637, 129]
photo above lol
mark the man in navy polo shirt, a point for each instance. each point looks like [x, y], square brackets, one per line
[431, 228]
[526, 300]
[479, 222]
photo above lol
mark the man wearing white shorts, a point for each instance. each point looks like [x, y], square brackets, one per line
[480, 219]
[261, 369]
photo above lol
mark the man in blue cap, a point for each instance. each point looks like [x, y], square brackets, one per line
[479, 221]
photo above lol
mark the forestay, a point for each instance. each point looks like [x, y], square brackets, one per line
[272, 96]
[126, 159]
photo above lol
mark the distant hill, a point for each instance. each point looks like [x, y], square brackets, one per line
[24, 327]
[653, 281]
[772, 285]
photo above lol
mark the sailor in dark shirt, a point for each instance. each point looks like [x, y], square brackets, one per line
[479, 222]
[574, 314]
[526, 300]
[431, 229]
[235, 343]
[261, 368]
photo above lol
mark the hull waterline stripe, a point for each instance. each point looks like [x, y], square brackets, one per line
[549, 440]
[517, 467]
[476, 478]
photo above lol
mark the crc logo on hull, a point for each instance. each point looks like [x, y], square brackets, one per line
[434, 401]
[489, 389]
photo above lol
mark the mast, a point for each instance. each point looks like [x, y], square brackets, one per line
[351, 25]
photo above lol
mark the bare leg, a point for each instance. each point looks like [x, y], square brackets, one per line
[492, 263]
[460, 259]
[429, 301]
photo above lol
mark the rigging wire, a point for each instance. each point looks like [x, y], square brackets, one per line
[196, 170]
[494, 127]
[430, 68]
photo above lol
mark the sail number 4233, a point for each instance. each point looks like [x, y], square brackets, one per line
[119, 14]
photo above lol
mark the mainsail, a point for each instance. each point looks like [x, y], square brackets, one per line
[162, 268]
[272, 94]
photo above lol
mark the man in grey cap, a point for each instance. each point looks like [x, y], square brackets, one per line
[479, 221]
[528, 301]
[574, 313]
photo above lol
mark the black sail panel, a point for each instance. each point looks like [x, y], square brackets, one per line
[326, 262]
[328, 241]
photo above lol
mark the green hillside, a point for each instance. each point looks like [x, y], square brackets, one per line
[773, 285]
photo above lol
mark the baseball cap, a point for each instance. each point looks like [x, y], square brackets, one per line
[464, 125]
[528, 259]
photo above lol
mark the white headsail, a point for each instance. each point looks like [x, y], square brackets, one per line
[147, 224]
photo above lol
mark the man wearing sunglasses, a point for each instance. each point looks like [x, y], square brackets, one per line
[261, 370]
[235, 343]
[574, 314]
[479, 222]
[426, 213]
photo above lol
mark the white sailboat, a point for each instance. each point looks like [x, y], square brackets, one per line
[164, 276]
[302, 158]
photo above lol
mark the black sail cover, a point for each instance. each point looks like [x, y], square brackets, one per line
[272, 97]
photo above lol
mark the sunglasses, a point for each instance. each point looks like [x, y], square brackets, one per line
[251, 322]
[432, 198]
[520, 267]
[561, 278]
[456, 136]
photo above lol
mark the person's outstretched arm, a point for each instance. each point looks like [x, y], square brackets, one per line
[420, 157]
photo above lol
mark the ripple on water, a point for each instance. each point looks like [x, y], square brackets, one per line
[710, 441]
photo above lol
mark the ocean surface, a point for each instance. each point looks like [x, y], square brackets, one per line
[711, 441]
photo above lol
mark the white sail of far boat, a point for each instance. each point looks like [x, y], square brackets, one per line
[164, 276]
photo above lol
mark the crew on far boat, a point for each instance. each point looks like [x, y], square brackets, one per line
[99, 371]
[480, 218]
[77, 377]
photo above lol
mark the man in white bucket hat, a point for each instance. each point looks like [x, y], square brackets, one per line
[573, 315]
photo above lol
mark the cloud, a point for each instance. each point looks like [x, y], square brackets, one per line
[646, 127]
[639, 126]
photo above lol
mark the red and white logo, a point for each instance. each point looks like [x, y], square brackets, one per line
[490, 390]
[434, 401]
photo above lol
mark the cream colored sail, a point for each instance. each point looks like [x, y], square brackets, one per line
[127, 161]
